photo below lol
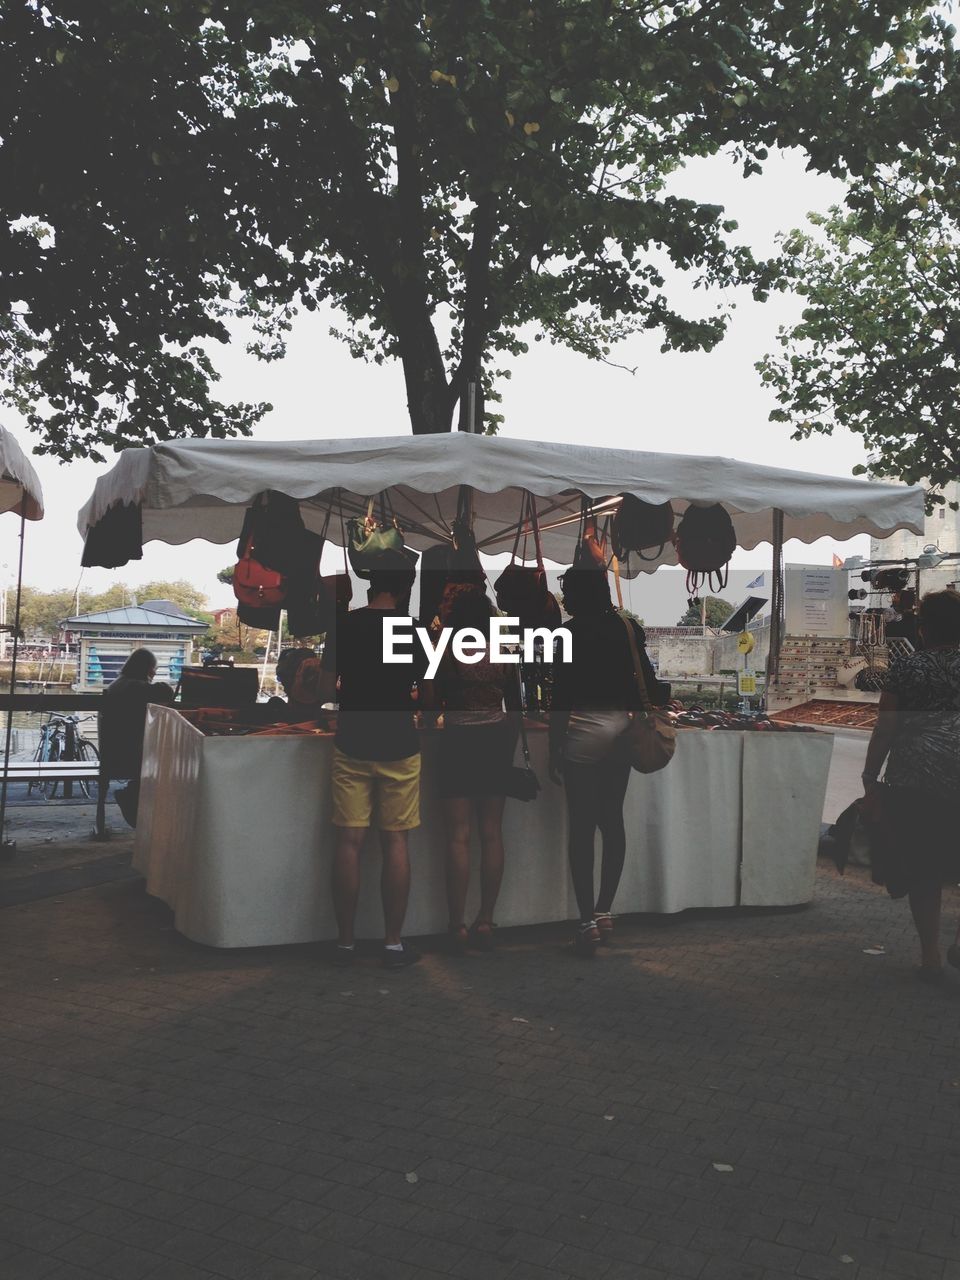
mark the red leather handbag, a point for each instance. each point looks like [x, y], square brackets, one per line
[255, 585]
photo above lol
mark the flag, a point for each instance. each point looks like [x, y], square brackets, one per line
[837, 562]
[757, 582]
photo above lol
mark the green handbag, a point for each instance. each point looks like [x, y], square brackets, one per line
[368, 538]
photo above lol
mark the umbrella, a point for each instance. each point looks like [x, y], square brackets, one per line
[20, 493]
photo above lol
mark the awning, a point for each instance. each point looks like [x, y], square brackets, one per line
[20, 490]
[200, 488]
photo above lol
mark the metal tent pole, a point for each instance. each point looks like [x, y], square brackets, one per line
[776, 603]
[13, 685]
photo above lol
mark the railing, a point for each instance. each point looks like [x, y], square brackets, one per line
[56, 702]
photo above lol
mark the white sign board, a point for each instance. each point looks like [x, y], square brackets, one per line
[815, 599]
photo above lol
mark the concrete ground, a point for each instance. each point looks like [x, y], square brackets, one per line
[722, 1096]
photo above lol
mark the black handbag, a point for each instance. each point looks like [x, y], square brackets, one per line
[520, 781]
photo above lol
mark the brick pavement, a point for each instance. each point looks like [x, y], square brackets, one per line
[170, 1112]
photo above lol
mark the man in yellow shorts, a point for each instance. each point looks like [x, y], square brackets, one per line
[376, 759]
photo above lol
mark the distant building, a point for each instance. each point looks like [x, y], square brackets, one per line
[942, 529]
[107, 639]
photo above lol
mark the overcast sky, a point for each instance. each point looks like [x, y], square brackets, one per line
[705, 404]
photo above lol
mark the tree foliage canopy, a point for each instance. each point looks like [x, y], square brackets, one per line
[443, 173]
[717, 612]
[43, 611]
[877, 349]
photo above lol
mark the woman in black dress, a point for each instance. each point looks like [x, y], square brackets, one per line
[914, 810]
[592, 698]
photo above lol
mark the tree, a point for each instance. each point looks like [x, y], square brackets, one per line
[43, 611]
[717, 611]
[190, 598]
[445, 174]
[878, 347]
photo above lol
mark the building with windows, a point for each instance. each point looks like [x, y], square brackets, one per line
[107, 639]
[941, 530]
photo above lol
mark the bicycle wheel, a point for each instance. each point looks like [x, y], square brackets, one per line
[54, 756]
[85, 750]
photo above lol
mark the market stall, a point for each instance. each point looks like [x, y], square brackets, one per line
[733, 820]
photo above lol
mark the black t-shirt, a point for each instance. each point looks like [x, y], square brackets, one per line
[376, 704]
[601, 675]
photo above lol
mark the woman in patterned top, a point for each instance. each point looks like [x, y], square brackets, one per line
[481, 717]
[915, 808]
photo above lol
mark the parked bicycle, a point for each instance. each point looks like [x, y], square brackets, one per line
[61, 740]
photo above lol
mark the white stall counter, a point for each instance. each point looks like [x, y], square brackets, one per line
[234, 833]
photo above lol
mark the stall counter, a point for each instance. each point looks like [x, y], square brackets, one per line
[234, 833]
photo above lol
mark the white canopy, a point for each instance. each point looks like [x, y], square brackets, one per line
[200, 488]
[20, 490]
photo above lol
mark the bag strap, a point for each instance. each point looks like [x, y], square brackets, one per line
[645, 702]
[615, 566]
[520, 522]
[343, 533]
[326, 522]
[535, 526]
[523, 728]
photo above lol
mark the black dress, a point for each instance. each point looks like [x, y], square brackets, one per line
[917, 842]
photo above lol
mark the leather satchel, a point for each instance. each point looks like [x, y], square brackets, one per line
[255, 585]
[650, 739]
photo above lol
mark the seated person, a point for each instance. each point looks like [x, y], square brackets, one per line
[122, 720]
[298, 674]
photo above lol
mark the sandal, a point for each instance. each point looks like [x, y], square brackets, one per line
[932, 977]
[481, 935]
[604, 921]
[586, 939]
[457, 939]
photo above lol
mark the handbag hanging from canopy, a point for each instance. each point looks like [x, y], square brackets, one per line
[705, 540]
[591, 551]
[267, 551]
[369, 537]
[522, 590]
[455, 561]
[640, 526]
[314, 599]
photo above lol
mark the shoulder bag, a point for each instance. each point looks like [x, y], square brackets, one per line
[520, 782]
[650, 739]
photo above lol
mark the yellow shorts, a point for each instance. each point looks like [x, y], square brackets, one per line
[389, 788]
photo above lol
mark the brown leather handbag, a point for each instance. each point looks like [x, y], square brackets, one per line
[650, 739]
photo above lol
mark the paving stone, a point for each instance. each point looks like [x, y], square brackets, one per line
[169, 1112]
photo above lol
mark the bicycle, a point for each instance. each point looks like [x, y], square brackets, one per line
[60, 739]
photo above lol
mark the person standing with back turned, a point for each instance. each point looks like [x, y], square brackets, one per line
[376, 759]
[913, 812]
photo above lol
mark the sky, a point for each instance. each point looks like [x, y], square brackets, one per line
[677, 403]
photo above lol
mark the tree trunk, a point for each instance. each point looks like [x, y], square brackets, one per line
[430, 402]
